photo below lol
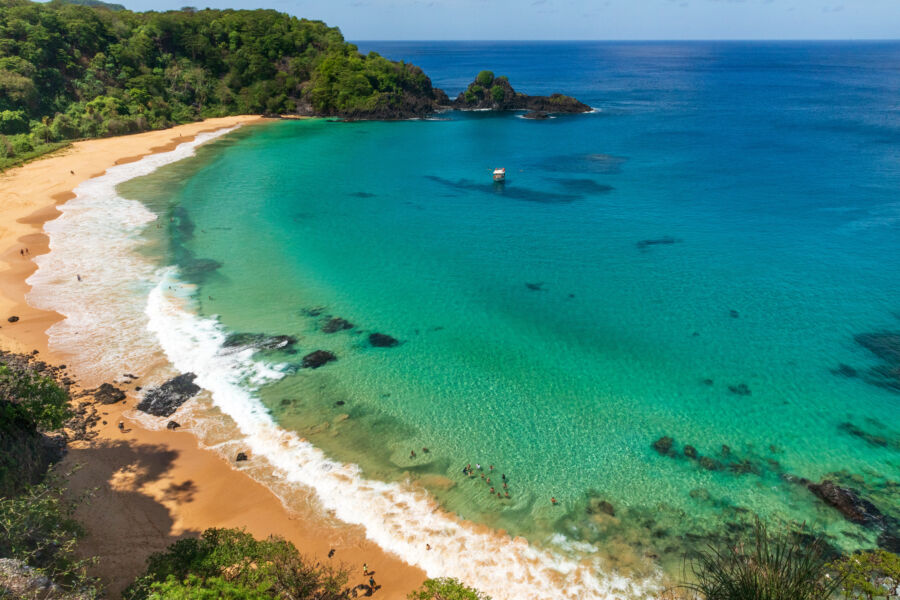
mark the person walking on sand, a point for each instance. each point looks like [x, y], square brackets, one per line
[365, 569]
[372, 582]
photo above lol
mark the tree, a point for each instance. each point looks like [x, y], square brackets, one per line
[485, 78]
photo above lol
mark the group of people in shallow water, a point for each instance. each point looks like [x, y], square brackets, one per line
[470, 472]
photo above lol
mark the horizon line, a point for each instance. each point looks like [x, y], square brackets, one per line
[639, 41]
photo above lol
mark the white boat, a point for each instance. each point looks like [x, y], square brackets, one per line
[500, 175]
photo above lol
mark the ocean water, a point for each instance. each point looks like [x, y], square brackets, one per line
[693, 260]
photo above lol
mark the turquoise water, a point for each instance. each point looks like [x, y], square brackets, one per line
[540, 332]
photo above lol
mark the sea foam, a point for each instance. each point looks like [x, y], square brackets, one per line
[127, 311]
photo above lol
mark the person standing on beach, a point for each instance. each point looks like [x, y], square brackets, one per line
[365, 569]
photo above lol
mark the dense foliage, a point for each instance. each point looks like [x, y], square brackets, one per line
[446, 588]
[768, 567]
[72, 70]
[36, 527]
[30, 403]
[228, 563]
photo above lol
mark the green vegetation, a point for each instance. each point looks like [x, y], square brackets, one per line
[498, 93]
[869, 575]
[766, 568]
[484, 78]
[30, 403]
[81, 69]
[446, 588]
[228, 563]
[36, 524]
[37, 528]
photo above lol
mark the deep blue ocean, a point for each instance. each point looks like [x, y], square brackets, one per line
[711, 256]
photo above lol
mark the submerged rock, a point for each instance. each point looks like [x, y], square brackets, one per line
[336, 324]
[261, 341]
[710, 464]
[598, 506]
[164, 400]
[740, 389]
[664, 446]
[690, 451]
[847, 502]
[382, 340]
[845, 371]
[537, 115]
[535, 287]
[316, 359]
[108, 394]
[663, 241]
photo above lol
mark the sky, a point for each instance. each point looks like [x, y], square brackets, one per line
[582, 19]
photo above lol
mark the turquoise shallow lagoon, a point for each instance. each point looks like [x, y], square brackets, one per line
[694, 260]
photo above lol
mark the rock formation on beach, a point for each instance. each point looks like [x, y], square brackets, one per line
[165, 399]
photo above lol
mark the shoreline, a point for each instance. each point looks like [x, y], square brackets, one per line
[153, 487]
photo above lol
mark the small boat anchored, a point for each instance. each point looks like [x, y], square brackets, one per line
[499, 175]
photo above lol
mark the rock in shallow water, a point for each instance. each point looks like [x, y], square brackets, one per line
[165, 399]
[259, 340]
[336, 324]
[382, 340]
[664, 445]
[316, 359]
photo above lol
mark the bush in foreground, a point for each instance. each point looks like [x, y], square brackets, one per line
[446, 588]
[869, 575]
[229, 563]
[767, 568]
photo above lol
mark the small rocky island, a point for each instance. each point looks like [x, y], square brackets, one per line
[488, 92]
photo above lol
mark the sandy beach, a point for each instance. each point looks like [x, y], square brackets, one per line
[152, 487]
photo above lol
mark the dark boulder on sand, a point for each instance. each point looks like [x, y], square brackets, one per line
[13, 319]
[173, 425]
[316, 359]
[108, 394]
[164, 400]
[382, 340]
[241, 457]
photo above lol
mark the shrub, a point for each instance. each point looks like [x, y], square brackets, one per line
[498, 93]
[446, 588]
[37, 528]
[869, 575]
[768, 568]
[232, 560]
[485, 78]
[33, 397]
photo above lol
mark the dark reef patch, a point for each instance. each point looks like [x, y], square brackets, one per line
[887, 439]
[362, 195]
[886, 346]
[535, 287]
[740, 389]
[663, 241]
[508, 191]
[335, 324]
[316, 359]
[602, 164]
[582, 186]
[383, 340]
[845, 371]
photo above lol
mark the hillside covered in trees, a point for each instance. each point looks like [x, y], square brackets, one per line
[86, 69]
